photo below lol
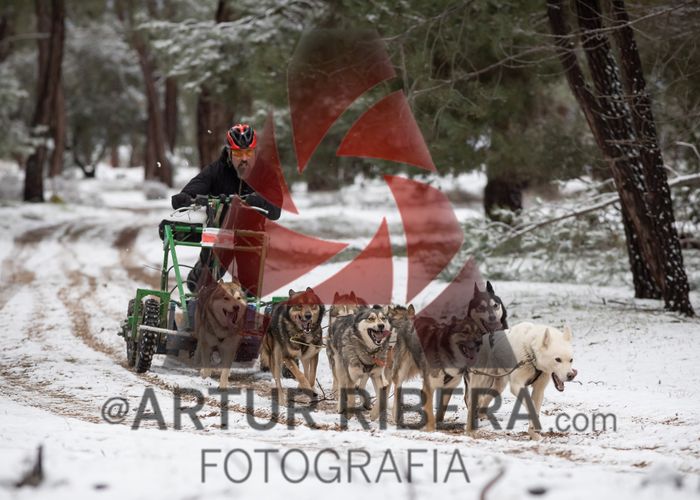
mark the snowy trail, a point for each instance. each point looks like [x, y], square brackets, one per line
[67, 286]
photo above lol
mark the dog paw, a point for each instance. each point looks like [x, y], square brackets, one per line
[205, 373]
[534, 435]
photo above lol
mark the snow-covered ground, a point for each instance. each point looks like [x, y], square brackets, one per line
[68, 271]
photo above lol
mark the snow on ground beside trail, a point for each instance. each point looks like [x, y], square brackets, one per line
[69, 271]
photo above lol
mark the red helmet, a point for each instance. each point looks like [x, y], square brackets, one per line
[242, 136]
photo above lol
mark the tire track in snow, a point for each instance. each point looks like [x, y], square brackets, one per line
[79, 298]
[124, 242]
[75, 305]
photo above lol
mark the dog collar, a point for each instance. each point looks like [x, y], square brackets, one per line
[534, 378]
[378, 361]
[375, 362]
[372, 353]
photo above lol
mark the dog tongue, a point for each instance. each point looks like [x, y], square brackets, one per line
[558, 383]
[232, 317]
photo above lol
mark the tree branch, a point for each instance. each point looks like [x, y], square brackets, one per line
[684, 180]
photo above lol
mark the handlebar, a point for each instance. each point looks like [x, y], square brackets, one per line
[202, 200]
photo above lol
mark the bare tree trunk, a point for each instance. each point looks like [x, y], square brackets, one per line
[502, 193]
[644, 283]
[592, 110]
[5, 31]
[613, 119]
[214, 116]
[157, 163]
[49, 77]
[150, 153]
[673, 278]
[43, 27]
[171, 112]
[114, 156]
[609, 118]
[58, 131]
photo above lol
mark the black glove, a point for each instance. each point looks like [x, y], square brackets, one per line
[180, 200]
[255, 200]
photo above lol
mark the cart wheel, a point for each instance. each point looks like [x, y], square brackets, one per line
[130, 344]
[147, 340]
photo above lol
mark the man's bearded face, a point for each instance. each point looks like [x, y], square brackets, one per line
[243, 161]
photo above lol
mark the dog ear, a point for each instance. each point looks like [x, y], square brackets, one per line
[567, 333]
[411, 311]
[309, 289]
[291, 292]
[352, 296]
[336, 297]
[545, 339]
[489, 288]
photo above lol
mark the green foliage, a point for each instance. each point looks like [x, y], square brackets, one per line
[480, 75]
[252, 49]
[482, 83]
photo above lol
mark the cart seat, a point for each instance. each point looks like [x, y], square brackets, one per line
[185, 223]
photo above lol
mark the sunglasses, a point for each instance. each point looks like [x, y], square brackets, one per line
[242, 154]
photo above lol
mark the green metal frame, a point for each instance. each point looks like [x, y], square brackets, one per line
[169, 244]
[169, 252]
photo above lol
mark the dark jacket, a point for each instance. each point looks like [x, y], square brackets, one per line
[221, 178]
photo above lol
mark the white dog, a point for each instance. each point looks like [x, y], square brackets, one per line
[525, 355]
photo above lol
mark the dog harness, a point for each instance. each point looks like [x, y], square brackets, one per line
[532, 380]
[375, 362]
[297, 340]
[366, 368]
[531, 359]
[447, 378]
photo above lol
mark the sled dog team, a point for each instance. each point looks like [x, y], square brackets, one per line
[390, 345]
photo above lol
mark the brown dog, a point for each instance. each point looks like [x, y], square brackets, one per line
[219, 321]
[295, 333]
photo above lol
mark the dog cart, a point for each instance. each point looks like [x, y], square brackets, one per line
[162, 321]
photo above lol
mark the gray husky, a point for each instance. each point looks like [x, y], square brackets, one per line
[442, 351]
[343, 305]
[360, 343]
[295, 333]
